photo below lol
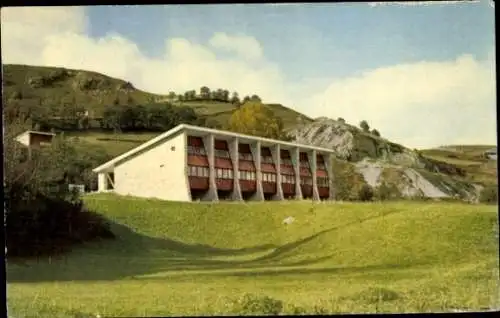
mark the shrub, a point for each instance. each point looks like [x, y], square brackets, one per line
[365, 193]
[386, 191]
[42, 215]
[364, 125]
[489, 195]
[376, 295]
[253, 305]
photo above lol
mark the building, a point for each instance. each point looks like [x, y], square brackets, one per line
[35, 139]
[190, 163]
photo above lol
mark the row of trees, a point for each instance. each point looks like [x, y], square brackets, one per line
[154, 117]
[220, 95]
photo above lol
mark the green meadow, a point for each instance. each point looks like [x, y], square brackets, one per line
[240, 258]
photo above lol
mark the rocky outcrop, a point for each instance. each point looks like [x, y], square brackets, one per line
[380, 161]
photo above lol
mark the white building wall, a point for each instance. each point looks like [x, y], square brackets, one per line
[159, 172]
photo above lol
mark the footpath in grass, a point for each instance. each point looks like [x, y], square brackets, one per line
[205, 258]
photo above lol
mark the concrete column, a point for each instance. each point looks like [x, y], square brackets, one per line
[275, 151]
[186, 168]
[312, 162]
[256, 155]
[102, 182]
[295, 154]
[233, 152]
[211, 194]
[331, 176]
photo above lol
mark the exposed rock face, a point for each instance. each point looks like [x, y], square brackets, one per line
[327, 133]
[372, 156]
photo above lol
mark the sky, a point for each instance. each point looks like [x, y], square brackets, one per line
[422, 75]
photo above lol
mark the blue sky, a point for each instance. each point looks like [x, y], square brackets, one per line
[316, 40]
[423, 75]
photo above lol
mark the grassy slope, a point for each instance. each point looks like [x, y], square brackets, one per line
[16, 79]
[469, 158]
[188, 258]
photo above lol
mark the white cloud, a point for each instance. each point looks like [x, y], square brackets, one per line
[420, 104]
[246, 46]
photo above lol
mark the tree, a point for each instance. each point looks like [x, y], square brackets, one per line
[225, 95]
[342, 120]
[235, 99]
[172, 95]
[205, 92]
[246, 99]
[42, 215]
[375, 132]
[364, 125]
[489, 195]
[254, 118]
[365, 193]
[255, 98]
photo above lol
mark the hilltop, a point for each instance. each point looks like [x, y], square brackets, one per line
[363, 156]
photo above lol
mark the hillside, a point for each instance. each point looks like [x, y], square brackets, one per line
[30, 87]
[446, 172]
[428, 173]
[191, 258]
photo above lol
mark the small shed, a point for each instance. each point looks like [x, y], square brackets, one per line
[32, 138]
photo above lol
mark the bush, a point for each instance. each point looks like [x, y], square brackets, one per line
[42, 215]
[45, 226]
[365, 193]
[376, 295]
[386, 192]
[489, 195]
[254, 305]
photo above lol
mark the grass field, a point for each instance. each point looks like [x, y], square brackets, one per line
[200, 258]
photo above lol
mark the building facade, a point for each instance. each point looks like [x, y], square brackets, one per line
[35, 139]
[189, 163]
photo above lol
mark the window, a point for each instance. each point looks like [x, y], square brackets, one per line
[245, 156]
[226, 174]
[304, 164]
[286, 178]
[267, 159]
[322, 182]
[221, 153]
[286, 161]
[321, 166]
[193, 150]
[197, 171]
[306, 181]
